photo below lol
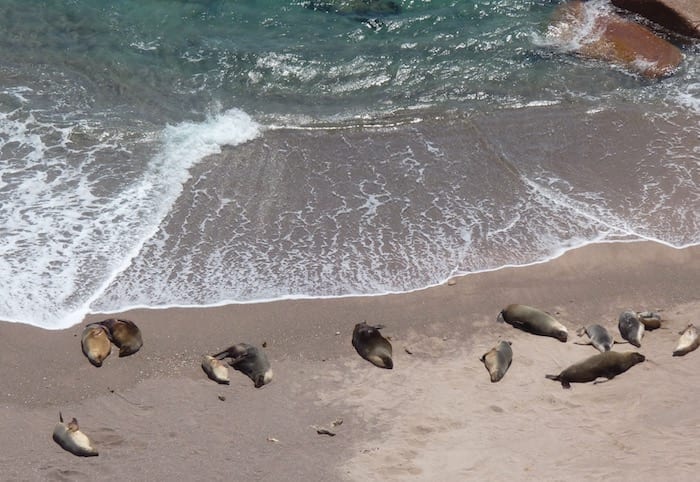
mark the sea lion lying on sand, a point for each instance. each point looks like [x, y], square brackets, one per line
[498, 360]
[95, 343]
[372, 346]
[124, 334]
[650, 319]
[608, 365]
[69, 436]
[249, 360]
[533, 321]
[215, 369]
[631, 329]
[688, 342]
[598, 336]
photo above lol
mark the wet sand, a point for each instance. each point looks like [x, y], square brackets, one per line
[436, 415]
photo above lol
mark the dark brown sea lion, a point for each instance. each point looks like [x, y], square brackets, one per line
[498, 360]
[608, 365]
[650, 319]
[249, 360]
[372, 346]
[95, 343]
[534, 321]
[125, 334]
[69, 436]
[631, 328]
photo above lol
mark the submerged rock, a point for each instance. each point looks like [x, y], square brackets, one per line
[601, 34]
[680, 16]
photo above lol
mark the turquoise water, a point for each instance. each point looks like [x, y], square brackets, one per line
[200, 152]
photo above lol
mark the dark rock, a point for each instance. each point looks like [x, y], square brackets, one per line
[679, 16]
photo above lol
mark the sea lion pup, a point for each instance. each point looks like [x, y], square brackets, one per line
[69, 436]
[125, 334]
[215, 369]
[372, 346]
[650, 319]
[631, 329]
[95, 343]
[598, 336]
[249, 360]
[688, 342]
[534, 321]
[608, 364]
[498, 360]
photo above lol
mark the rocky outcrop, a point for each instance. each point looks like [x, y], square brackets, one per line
[680, 16]
[601, 34]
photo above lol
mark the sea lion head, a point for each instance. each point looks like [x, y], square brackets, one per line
[561, 334]
[637, 357]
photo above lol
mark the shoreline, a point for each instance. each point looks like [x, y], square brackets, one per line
[435, 415]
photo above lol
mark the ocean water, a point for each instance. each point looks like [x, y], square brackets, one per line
[194, 153]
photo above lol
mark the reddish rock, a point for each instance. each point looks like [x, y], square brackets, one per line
[680, 16]
[603, 35]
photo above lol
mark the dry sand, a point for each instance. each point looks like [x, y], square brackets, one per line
[435, 416]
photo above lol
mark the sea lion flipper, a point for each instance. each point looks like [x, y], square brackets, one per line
[552, 377]
[581, 331]
[583, 342]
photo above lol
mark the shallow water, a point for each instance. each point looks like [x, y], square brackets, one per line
[195, 153]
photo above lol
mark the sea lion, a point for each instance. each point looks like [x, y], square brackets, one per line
[598, 336]
[125, 334]
[534, 321]
[69, 436]
[95, 343]
[498, 360]
[215, 369]
[608, 364]
[688, 342]
[249, 360]
[650, 319]
[372, 346]
[631, 329]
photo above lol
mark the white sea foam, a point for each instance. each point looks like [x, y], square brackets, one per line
[79, 205]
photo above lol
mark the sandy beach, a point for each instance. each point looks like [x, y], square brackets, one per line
[436, 416]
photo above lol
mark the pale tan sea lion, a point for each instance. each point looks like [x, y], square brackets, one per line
[498, 360]
[249, 360]
[650, 319]
[372, 346]
[215, 369]
[631, 329]
[69, 436]
[95, 343]
[598, 336]
[125, 334]
[534, 321]
[688, 342]
[608, 365]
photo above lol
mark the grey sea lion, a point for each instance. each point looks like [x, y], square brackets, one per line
[608, 365]
[534, 321]
[125, 335]
[95, 343]
[372, 346]
[69, 436]
[631, 329]
[215, 369]
[650, 319]
[598, 336]
[688, 342]
[497, 360]
[249, 360]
